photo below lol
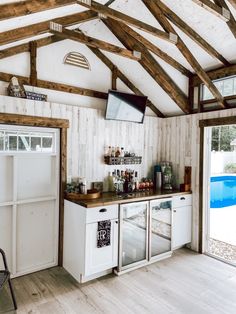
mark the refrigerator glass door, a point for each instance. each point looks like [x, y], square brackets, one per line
[133, 234]
[160, 223]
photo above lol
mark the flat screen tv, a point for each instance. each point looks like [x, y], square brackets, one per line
[125, 107]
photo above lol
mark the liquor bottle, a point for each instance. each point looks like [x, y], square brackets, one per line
[136, 181]
[117, 154]
[109, 151]
[110, 182]
[113, 152]
[122, 152]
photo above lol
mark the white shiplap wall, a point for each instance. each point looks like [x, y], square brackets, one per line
[173, 139]
[180, 143]
[89, 133]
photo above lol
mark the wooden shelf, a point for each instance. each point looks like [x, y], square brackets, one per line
[122, 160]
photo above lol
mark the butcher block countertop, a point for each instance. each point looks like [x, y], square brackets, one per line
[110, 198]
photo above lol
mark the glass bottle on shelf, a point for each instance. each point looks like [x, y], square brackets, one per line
[117, 154]
[113, 151]
[122, 152]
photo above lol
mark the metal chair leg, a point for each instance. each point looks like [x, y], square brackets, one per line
[12, 294]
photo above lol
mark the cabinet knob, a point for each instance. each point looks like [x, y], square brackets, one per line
[103, 210]
[174, 210]
[182, 198]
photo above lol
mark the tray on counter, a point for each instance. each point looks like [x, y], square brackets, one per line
[79, 196]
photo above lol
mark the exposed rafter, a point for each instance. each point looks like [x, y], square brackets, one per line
[217, 10]
[216, 74]
[157, 51]
[6, 77]
[28, 31]
[27, 7]
[121, 17]
[61, 32]
[231, 23]
[158, 14]
[124, 79]
[150, 65]
[233, 3]
[174, 18]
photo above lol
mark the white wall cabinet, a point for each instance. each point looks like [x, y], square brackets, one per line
[182, 220]
[82, 258]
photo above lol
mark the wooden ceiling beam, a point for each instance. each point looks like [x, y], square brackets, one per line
[124, 79]
[217, 10]
[61, 32]
[157, 51]
[32, 30]
[27, 7]
[33, 63]
[121, 17]
[231, 23]
[150, 65]
[233, 3]
[175, 19]
[6, 77]
[158, 14]
[215, 74]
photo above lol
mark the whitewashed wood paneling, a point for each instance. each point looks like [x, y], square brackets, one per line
[175, 139]
[90, 133]
[179, 140]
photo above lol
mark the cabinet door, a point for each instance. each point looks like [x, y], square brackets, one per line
[160, 226]
[182, 225]
[133, 234]
[100, 259]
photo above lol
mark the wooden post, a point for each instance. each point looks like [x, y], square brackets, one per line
[33, 63]
[114, 78]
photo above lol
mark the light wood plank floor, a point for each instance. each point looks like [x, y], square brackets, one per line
[185, 283]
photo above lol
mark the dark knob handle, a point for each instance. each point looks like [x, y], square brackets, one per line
[182, 198]
[174, 210]
[103, 210]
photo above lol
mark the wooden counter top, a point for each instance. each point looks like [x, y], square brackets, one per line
[110, 198]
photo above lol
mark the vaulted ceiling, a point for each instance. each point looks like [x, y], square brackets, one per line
[157, 48]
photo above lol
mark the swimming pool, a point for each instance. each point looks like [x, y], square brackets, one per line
[222, 191]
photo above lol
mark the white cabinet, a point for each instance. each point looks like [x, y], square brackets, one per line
[182, 220]
[82, 258]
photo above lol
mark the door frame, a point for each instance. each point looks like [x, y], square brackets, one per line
[62, 125]
[203, 124]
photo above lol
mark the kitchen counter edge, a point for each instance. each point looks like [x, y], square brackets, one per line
[109, 198]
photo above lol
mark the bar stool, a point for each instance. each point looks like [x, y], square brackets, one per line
[5, 277]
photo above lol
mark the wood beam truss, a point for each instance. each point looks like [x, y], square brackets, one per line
[174, 18]
[231, 23]
[150, 65]
[78, 36]
[216, 74]
[124, 79]
[157, 51]
[158, 14]
[33, 63]
[121, 17]
[217, 10]
[27, 7]
[55, 86]
[32, 30]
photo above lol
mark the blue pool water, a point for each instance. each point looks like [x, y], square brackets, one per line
[222, 191]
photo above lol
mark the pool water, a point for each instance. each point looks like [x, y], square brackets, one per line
[222, 191]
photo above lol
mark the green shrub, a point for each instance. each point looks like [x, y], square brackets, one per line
[230, 168]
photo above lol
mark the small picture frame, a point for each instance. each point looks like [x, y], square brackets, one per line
[98, 186]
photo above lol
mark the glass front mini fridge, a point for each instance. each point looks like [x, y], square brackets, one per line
[133, 244]
[160, 229]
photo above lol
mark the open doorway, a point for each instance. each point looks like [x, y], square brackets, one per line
[219, 192]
